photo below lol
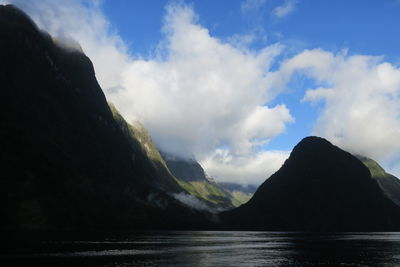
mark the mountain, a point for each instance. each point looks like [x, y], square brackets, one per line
[186, 173]
[140, 141]
[320, 187]
[191, 176]
[390, 184]
[240, 193]
[68, 167]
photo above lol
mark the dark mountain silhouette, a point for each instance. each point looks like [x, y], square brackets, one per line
[320, 187]
[67, 165]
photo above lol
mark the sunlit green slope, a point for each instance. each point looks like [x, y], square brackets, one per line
[187, 173]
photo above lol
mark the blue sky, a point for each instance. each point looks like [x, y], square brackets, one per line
[237, 84]
[362, 27]
[365, 27]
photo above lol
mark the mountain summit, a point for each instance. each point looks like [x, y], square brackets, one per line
[320, 187]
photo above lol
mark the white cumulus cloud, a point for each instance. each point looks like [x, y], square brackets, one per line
[248, 169]
[361, 103]
[204, 93]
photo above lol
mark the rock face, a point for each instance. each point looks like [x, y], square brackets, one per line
[320, 187]
[67, 166]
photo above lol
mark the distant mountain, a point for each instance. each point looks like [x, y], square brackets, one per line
[390, 184]
[194, 187]
[68, 167]
[191, 176]
[240, 193]
[320, 187]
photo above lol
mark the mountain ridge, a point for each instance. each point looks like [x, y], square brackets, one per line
[320, 187]
[70, 168]
[389, 183]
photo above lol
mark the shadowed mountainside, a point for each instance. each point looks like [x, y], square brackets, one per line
[320, 187]
[67, 165]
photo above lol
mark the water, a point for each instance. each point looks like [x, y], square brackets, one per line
[206, 248]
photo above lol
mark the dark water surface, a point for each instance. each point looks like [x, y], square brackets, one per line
[203, 248]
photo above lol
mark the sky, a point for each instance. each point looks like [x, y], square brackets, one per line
[236, 84]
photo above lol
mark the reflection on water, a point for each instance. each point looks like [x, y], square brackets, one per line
[202, 248]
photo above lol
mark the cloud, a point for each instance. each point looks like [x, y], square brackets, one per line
[394, 168]
[247, 169]
[202, 93]
[318, 94]
[360, 100]
[82, 21]
[193, 202]
[197, 94]
[251, 5]
[284, 9]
